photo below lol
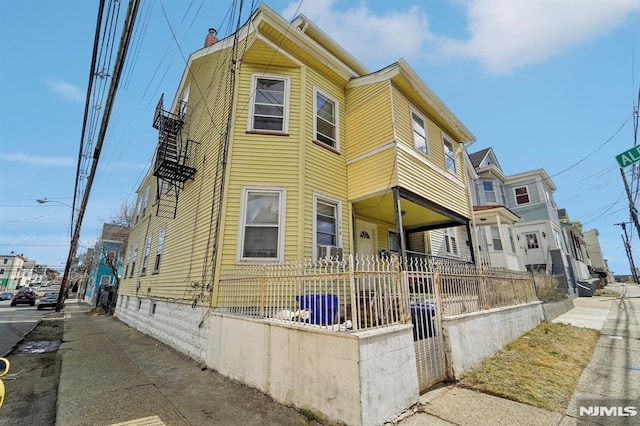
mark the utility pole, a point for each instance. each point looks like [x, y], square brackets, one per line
[627, 247]
[127, 32]
[632, 207]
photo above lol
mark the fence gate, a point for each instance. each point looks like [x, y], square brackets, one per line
[426, 316]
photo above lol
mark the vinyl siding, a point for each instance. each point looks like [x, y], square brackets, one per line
[372, 174]
[369, 118]
[432, 184]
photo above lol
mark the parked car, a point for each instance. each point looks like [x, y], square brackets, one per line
[6, 296]
[48, 300]
[24, 296]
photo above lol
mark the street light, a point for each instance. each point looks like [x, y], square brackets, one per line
[75, 235]
[44, 201]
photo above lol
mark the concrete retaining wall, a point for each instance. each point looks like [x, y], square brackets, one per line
[554, 309]
[360, 378]
[470, 338]
[175, 324]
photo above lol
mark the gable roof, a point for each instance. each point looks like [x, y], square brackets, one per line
[477, 157]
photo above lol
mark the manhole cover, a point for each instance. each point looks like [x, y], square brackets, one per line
[39, 347]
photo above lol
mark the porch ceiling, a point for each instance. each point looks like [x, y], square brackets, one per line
[489, 215]
[381, 208]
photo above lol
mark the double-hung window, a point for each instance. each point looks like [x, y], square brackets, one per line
[495, 237]
[325, 126]
[327, 224]
[451, 241]
[419, 126]
[134, 258]
[156, 265]
[522, 195]
[145, 256]
[269, 107]
[489, 192]
[261, 236]
[449, 155]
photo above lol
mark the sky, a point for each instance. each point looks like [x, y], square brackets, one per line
[547, 84]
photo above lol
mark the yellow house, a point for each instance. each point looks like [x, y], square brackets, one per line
[280, 146]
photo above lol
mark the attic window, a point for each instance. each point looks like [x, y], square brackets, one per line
[269, 106]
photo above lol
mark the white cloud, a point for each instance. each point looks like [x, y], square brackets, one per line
[504, 35]
[374, 39]
[67, 90]
[37, 161]
[507, 34]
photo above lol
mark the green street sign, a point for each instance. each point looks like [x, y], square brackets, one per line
[629, 157]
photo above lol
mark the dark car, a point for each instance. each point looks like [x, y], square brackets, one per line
[6, 296]
[24, 296]
[48, 300]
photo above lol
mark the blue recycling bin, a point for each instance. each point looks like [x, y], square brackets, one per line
[423, 319]
[322, 308]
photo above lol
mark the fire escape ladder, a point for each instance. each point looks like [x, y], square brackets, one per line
[175, 157]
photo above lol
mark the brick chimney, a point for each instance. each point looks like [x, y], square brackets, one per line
[211, 37]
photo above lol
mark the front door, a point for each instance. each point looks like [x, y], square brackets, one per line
[366, 238]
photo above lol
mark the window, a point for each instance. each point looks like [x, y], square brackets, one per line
[105, 280]
[450, 241]
[126, 268]
[495, 237]
[489, 192]
[2, 271]
[145, 200]
[532, 240]
[327, 220]
[158, 189]
[4, 261]
[138, 207]
[262, 224]
[133, 263]
[156, 265]
[145, 256]
[184, 102]
[522, 195]
[326, 120]
[512, 241]
[449, 155]
[393, 241]
[269, 106]
[419, 132]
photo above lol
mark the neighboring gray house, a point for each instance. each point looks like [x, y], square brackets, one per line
[599, 265]
[573, 239]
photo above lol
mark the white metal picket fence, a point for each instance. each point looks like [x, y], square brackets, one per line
[368, 292]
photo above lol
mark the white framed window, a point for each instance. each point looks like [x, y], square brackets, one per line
[512, 241]
[327, 228]
[449, 155]
[261, 233]
[145, 255]
[269, 104]
[522, 195]
[133, 259]
[489, 192]
[325, 123]
[158, 189]
[419, 127]
[126, 268]
[451, 241]
[159, 247]
[495, 238]
[184, 103]
[394, 241]
[145, 200]
[105, 280]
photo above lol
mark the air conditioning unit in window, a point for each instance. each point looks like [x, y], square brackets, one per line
[330, 252]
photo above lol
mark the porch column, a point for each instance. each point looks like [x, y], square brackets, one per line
[399, 228]
[472, 241]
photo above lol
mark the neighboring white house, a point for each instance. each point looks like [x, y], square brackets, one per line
[11, 271]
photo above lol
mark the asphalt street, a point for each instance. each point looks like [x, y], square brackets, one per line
[15, 322]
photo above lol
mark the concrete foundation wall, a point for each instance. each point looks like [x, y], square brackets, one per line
[351, 378]
[473, 337]
[554, 309]
[175, 324]
[361, 378]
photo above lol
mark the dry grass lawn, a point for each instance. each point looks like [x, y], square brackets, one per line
[541, 368]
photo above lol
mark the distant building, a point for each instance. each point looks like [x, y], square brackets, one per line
[11, 271]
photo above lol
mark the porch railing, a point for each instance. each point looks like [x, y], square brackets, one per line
[365, 292]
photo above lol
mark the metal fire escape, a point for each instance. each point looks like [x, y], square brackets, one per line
[175, 157]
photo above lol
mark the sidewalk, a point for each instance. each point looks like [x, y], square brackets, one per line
[113, 374]
[613, 374]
